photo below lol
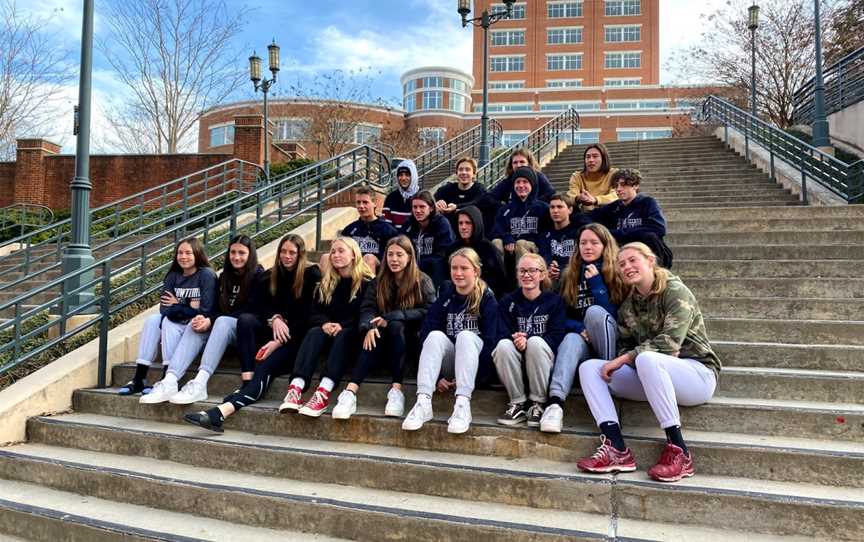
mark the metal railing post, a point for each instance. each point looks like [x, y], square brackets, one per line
[142, 270]
[771, 151]
[318, 210]
[804, 198]
[104, 322]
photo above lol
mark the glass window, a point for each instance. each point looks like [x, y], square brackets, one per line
[518, 10]
[563, 106]
[622, 105]
[507, 63]
[615, 34]
[636, 135]
[508, 37]
[433, 99]
[557, 36]
[585, 138]
[506, 85]
[221, 135]
[432, 137]
[410, 103]
[505, 108]
[622, 82]
[563, 10]
[512, 138]
[457, 102]
[623, 60]
[563, 83]
[564, 62]
[365, 133]
[433, 82]
[409, 86]
[616, 8]
[458, 84]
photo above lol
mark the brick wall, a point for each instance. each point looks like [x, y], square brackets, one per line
[7, 184]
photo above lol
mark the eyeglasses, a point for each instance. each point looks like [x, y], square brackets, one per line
[528, 270]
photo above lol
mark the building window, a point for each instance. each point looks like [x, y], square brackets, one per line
[618, 34]
[432, 137]
[634, 82]
[637, 104]
[457, 103]
[518, 10]
[410, 86]
[563, 106]
[291, 129]
[433, 82]
[563, 83]
[505, 108]
[585, 138]
[564, 62]
[508, 139]
[506, 85]
[364, 134]
[410, 103]
[617, 8]
[433, 99]
[648, 133]
[507, 63]
[559, 36]
[508, 37]
[623, 60]
[458, 84]
[222, 135]
[563, 10]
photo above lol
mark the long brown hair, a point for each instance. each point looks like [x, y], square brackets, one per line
[607, 164]
[197, 251]
[609, 269]
[661, 275]
[532, 162]
[472, 305]
[359, 272]
[407, 290]
[279, 272]
[232, 277]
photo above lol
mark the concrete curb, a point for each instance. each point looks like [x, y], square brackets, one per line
[49, 390]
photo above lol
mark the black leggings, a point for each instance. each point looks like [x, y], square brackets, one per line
[393, 346]
[251, 334]
[342, 348]
[278, 363]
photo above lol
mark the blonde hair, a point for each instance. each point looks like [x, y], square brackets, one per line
[571, 278]
[468, 159]
[661, 275]
[546, 283]
[331, 278]
[472, 305]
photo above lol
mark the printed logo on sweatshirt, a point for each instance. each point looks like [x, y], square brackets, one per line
[521, 225]
[183, 294]
[533, 325]
[458, 322]
[367, 244]
[425, 245]
[627, 223]
[563, 248]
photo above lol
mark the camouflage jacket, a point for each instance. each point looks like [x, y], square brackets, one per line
[669, 323]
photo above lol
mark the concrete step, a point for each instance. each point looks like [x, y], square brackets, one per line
[738, 191]
[795, 385]
[764, 224]
[810, 237]
[40, 514]
[769, 252]
[787, 331]
[851, 212]
[710, 206]
[764, 196]
[731, 269]
[845, 288]
[780, 308]
[816, 357]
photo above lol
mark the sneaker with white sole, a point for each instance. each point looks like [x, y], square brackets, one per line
[395, 403]
[535, 413]
[513, 415]
[553, 419]
[192, 392]
[460, 421]
[293, 400]
[346, 405]
[317, 404]
[420, 414]
[160, 393]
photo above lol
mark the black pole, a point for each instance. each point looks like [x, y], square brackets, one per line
[753, 109]
[77, 255]
[266, 138]
[820, 121]
[484, 118]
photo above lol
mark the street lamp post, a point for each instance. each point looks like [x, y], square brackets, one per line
[485, 20]
[77, 254]
[821, 140]
[264, 86]
[752, 25]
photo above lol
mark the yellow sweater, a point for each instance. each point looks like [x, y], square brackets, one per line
[597, 184]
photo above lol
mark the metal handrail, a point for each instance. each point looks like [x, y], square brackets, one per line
[21, 215]
[844, 86]
[453, 148]
[544, 142]
[844, 180]
[134, 272]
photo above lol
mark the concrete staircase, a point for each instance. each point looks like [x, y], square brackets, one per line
[779, 450]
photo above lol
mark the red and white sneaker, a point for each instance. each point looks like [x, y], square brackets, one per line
[293, 400]
[608, 459]
[317, 404]
[673, 465]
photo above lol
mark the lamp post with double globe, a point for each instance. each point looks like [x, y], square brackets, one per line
[264, 86]
[485, 20]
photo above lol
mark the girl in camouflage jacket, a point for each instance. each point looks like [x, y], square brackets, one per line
[664, 358]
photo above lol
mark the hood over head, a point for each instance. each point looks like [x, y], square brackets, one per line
[476, 217]
[414, 187]
[527, 173]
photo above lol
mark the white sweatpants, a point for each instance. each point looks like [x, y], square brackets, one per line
[441, 358]
[662, 380]
[178, 341]
[537, 359]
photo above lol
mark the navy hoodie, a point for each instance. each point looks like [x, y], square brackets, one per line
[522, 219]
[591, 292]
[641, 215]
[503, 191]
[491, 259]
[541, 317]
[372, 236]
[451, 193]
[432, 242]
[448, 315]
[558, 245]
[201, 287]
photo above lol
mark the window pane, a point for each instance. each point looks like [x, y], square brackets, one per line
[518, 10]
[432, 100]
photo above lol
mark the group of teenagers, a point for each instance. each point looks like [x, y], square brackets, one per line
[568, 290]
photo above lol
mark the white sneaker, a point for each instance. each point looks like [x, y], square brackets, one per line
[420, 414]
[346, 405]
[395, 403]
[553, 419]
[460, 421]
[161, 392]
[192, 392]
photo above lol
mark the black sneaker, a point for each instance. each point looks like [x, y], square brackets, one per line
[514, 415]
[535, 412]
[132, 387]
[202, 419]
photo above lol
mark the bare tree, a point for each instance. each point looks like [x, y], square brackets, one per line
[845, 32]
[177, 58]
[32, 75]
[784, 54]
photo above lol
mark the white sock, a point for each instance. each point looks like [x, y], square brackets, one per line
[327, 384]
[423, 398]
[299, 382]
[202, 378]
[461, 399]
[170, 379]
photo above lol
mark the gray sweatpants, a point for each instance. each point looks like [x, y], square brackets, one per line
[441, 358]
[537, 359]
[603, 332]
[223, 333]
[179, 343]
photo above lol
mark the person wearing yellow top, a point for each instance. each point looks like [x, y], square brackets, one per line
[592, 186]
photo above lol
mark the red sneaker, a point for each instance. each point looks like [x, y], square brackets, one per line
[608, 459]
[673, 465]
[317, 404]
[293, 400]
